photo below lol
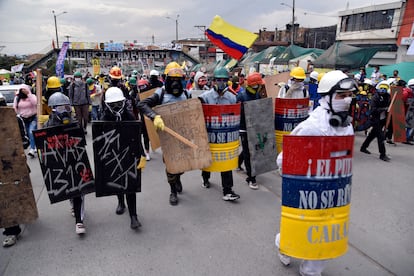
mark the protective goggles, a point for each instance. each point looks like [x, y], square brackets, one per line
[63, 108]
[347, 84]
[116, 105]
[220, 80]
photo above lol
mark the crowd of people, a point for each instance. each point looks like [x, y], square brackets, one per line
[333, 97]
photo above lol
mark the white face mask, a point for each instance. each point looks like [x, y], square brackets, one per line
[339, 105]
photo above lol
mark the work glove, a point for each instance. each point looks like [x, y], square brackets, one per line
[142, 163]
[158, 123]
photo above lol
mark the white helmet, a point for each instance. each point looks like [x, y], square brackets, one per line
[114, 94]
[338, 80]
[410, 82]
[383, 84]
[357, 76]
[314, 75]
[368, 81]
[154, 73]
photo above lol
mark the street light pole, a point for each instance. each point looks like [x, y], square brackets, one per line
[292, 30]
[56, 30]
[176, 26]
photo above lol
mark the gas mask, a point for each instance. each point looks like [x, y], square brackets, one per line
[174, 86]
[116, 108]
[340, 111]
[220, 85]
[63, 113]
[253, 89]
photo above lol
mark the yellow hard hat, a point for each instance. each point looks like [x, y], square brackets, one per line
[53, 82]
[298, 73]
[170, 66]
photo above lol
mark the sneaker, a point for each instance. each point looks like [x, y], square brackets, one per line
[390, 142]
[253, 185]
[303, 272]
[205, 184]
[72, 211]
[173, 199]
[179, 186]
[231, 196]
[239, 169]
[135, 222]
[80, 228]
[147, 156]
[364, 150]
[285, 260]
[9, 240]
[32, 153]
[385, 158]
[120, 209]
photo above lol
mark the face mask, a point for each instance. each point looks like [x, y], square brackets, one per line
[63, 113]
[296, 85]
[22, 95]
[221, 85]
[176, 88]
[339, 105]
[252, 90]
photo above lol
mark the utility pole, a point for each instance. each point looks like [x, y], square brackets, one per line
[70, 66]
[202, 28]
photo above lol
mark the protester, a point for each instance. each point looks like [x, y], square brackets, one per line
[219, 94]
[295, 88]
[25, 105]
[235, 86]
[153, 80]
[376, 75]
[329, 119]
[80, 100]
[62, 115]
[378, 116]
[173, 91]
[95, 94]
[254, 85]
[115, 102]
[12, 233]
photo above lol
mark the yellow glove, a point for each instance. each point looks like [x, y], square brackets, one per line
[142, 163]
[158, 123]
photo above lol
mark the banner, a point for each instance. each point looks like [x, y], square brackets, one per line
[64, 162]
[116, 152]
[260, 135]
[231, 39]
[96, 66]
[17, 202]
[187, 119]
[316, 196]
[17, 68]
[60, 62]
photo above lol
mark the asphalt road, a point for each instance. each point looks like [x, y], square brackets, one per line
[205, 235]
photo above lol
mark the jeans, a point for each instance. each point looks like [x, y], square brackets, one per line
[96, 112]
[30, 126]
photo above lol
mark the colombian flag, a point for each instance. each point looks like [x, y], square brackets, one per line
[232, 40]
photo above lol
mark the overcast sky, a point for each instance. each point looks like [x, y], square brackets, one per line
[27, 26]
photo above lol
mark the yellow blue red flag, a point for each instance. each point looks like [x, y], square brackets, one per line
[231, 39]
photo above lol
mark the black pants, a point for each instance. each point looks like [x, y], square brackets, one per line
[173, 179]
[131, 200]
[376, 132]
[246, 156]
[14, 230]
[226, 180]
[77, 208]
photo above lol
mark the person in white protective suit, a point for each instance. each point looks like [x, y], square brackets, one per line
[331, 118]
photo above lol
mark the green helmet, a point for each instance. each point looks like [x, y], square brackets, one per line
[62, 81]
[221, 73]
[78, 75]
[133, 81]
[90, 81]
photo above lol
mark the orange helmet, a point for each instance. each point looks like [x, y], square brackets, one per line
[255, 78]
[115, 73]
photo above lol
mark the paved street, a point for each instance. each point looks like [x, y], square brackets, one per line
[204, 235]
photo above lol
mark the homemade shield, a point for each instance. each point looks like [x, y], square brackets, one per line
[288, 114]
[17, 202]
[185, 118]
[117, 152]
[223, 124]
[398, 115]
[260, 129]
[64, 162]
[316, 196]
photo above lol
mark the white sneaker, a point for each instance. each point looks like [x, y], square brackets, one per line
[80, 228]
[253, 186]
[285, 260]
[32, 153]
[147, 156]
[9, 241]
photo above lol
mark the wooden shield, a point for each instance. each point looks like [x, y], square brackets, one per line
[17, 202]
[409, 117]
[152, 132]
[116, 151]
[187, 119]
[260, 135]
[272, 87]
[398, 115]
[64, 162]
